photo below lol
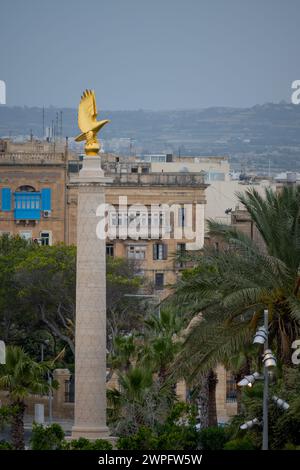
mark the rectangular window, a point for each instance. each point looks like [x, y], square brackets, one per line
[180, 252]
[230, 388]
[181, 247]
[181, 217]
[109, 249]
[136, 252]
[160, 251]
[26, 235]
[45, 238]
[159, 281]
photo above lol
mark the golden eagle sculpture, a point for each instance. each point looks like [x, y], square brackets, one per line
[88, 124]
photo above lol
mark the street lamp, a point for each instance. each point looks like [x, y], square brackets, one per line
[49, 378]
[269, 359]
[261, 336]
[280, 403]
[249, 424]
[265, 443]
[249, 380]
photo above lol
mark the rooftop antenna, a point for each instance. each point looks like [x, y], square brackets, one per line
[56, 125]
[52, 129]
[61, 125]
[43, 135]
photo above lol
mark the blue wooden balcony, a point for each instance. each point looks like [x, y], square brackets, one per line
[27, 205]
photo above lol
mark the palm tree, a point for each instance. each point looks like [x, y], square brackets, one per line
[159, 342]
[21, 376]
[139, 400]
[231, 287]
[144, 394]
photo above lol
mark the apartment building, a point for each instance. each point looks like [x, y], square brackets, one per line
[135, 183]
[39, 202]
[33, 177]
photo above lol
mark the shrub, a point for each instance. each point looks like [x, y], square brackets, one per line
[166, 437]
[144, 439]
[290, 446]
[242, 443]
[4, 445]
[46, 437]
[212, 438]
[178, 438]
[85, 444]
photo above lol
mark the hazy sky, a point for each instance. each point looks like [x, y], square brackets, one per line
[153, 54]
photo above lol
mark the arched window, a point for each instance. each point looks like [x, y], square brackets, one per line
[26, 188]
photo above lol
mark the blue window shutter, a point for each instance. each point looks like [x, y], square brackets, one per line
[6, 199]
[46, 199]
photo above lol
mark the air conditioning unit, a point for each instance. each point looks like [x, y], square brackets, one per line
[46, 214]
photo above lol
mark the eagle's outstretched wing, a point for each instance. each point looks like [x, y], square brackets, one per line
[87, 112]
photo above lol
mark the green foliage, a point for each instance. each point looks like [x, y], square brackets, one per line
[144, 439]
[232, 286]
[5, 415]
[4, 445]
[85, 444]
[21, 376]
[140, 400]
[241, 443]
[175, 437]
[212, 438]
[170, 437]
[177, 432]
[46, 437]
[289, 446]
[52, 438]
[146, 393]
[37, 296]
[284, 426]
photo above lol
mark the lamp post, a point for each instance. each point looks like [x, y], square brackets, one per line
[49, 378]
[265, 444]
[50, 397]
[269, 361]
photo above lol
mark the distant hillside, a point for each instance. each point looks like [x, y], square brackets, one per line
[250, 136]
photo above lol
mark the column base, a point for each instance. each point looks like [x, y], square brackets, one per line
[90, 432]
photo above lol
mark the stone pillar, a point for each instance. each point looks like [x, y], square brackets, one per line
[90, 333]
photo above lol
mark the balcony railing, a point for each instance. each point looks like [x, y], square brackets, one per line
[30, 157]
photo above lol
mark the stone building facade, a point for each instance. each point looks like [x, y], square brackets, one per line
[33, 185]
[37, 202]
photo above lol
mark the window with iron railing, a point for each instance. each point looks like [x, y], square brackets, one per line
[70, 390]
[230, 388]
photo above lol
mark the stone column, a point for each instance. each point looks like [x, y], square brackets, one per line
[90, 333]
